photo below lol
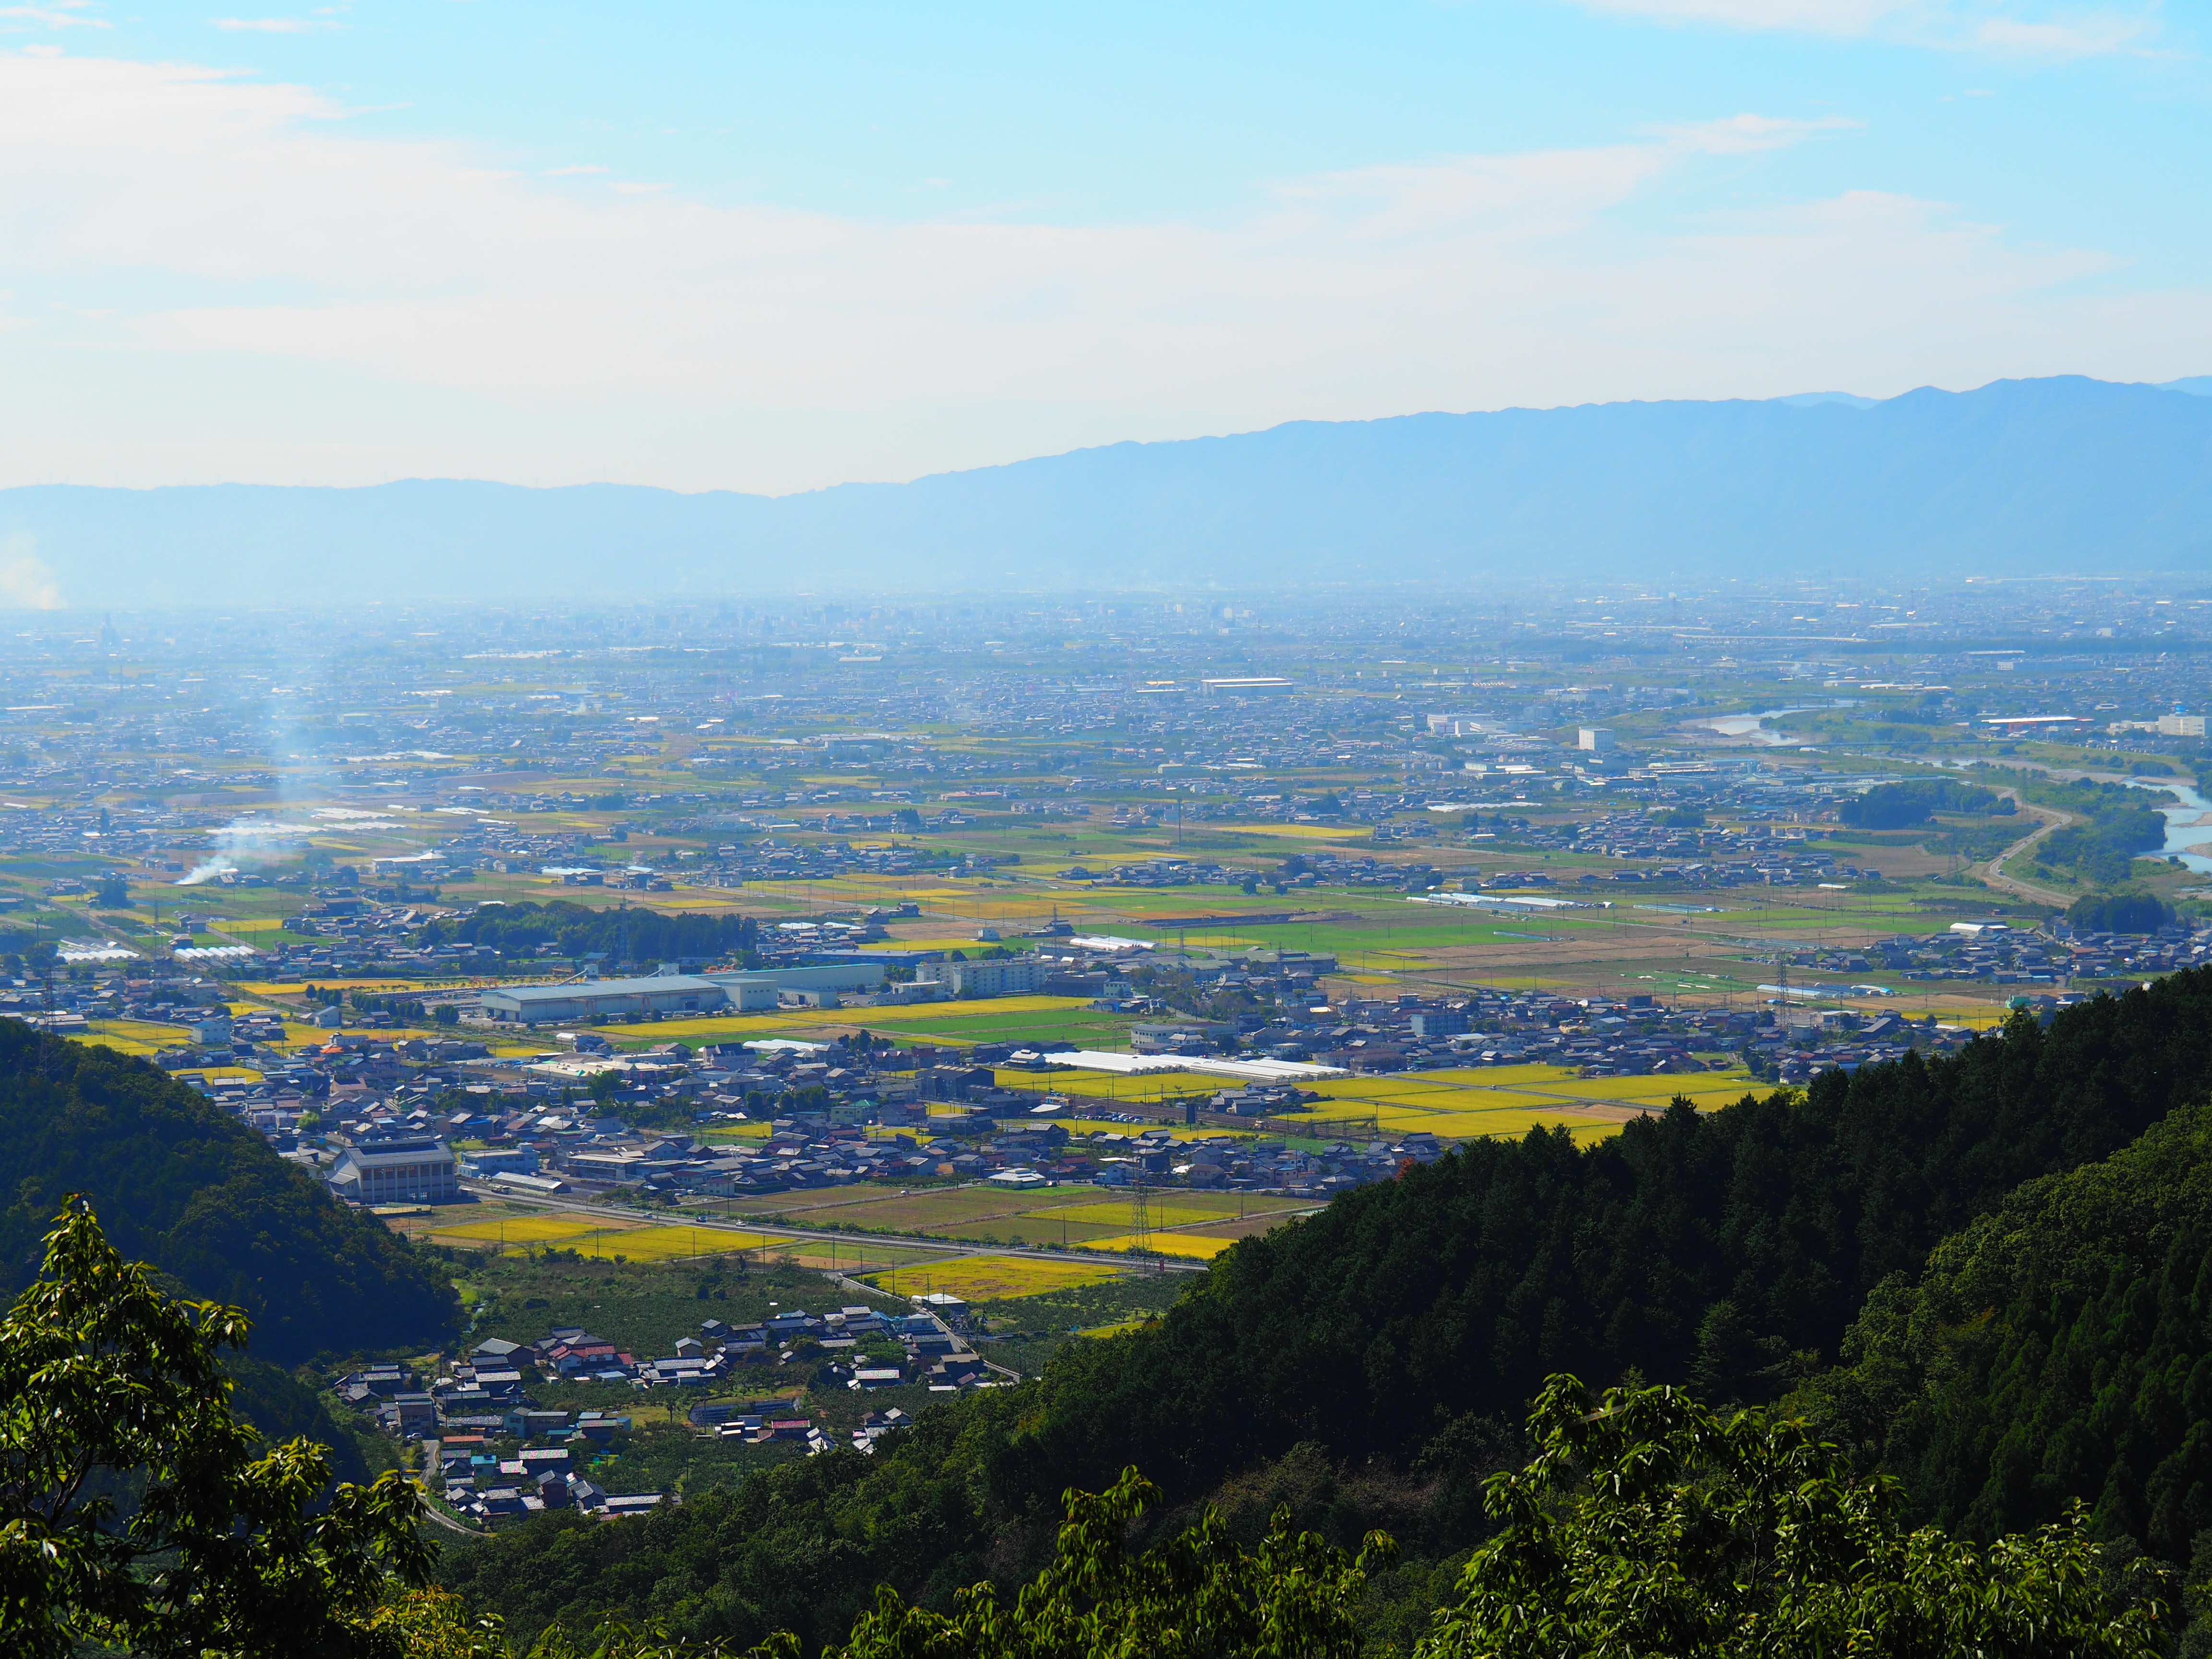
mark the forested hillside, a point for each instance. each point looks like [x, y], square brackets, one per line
[179, 1184]
[1395, 1338]
[1708, 1249]
[2059, 1348]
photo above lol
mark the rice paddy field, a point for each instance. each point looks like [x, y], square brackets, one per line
[1490, 1101]
[600, 1239]
[974, 1215]
[594, 1237]
[1068, 1021]
[1180, 1209]
[993, 1278]
[1154, 1087]
[1513, 1099]
[983, 1214]
[1196, 1247]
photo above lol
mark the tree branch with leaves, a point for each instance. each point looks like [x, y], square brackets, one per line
[138, 1510]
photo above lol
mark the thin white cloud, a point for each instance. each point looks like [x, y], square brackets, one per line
[2010, 27]
[60, 15]
[2091, 36]
[272, 25]
[330, 307]
[570, 171]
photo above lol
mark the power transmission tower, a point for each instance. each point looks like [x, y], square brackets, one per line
[1141, 1211]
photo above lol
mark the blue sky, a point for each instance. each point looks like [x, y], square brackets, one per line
[771, 247]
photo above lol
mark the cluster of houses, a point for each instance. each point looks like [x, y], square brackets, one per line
[488, 1485]
[2003, 955]
[502, 1454]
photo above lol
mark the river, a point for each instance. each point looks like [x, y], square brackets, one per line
[2188, 825]
[1752, 726]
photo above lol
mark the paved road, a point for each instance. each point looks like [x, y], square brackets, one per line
[1993, 873]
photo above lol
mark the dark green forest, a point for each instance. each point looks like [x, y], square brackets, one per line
[2058, 1348]
[2119, 913]
[2117, 824]
[1900, 806]
[577, 930]
[204, 1199]
[183, 1186]
[1371, 1363]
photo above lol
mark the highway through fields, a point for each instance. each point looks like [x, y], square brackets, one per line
[1993, 873]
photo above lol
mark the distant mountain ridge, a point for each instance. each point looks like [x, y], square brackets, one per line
[2026, 477]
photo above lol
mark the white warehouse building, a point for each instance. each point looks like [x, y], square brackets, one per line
[1008, 976]
[669, 993]
[625, 999]
[396, 1172]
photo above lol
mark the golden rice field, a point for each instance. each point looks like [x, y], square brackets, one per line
[1510, 1100]
[994, 1278]
[1175, 1209]
[1195, 1246]
[649, 1244]
[1111, 1086]
[668, 1244]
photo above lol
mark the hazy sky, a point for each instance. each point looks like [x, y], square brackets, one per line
[768, 248]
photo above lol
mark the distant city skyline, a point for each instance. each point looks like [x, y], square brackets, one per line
[754, 249]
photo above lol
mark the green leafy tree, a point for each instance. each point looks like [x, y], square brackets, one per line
[138, 1511]
[113, 894]
[1198, 1596]
[2119, 913]
[1650, 1525]
[1900, 805]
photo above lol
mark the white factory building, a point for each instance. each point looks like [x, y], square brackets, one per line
[396, 1172]
[670, 993]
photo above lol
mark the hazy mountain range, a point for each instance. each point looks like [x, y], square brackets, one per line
[2060, 475]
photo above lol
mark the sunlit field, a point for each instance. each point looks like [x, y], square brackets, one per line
[993, 1278]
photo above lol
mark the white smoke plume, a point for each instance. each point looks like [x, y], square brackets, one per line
[242, 843]
[27, 581]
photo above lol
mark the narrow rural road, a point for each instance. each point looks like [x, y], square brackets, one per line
[1993, 871]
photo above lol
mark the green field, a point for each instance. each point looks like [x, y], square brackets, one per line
[1177, 1209]
[1055, 1020]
